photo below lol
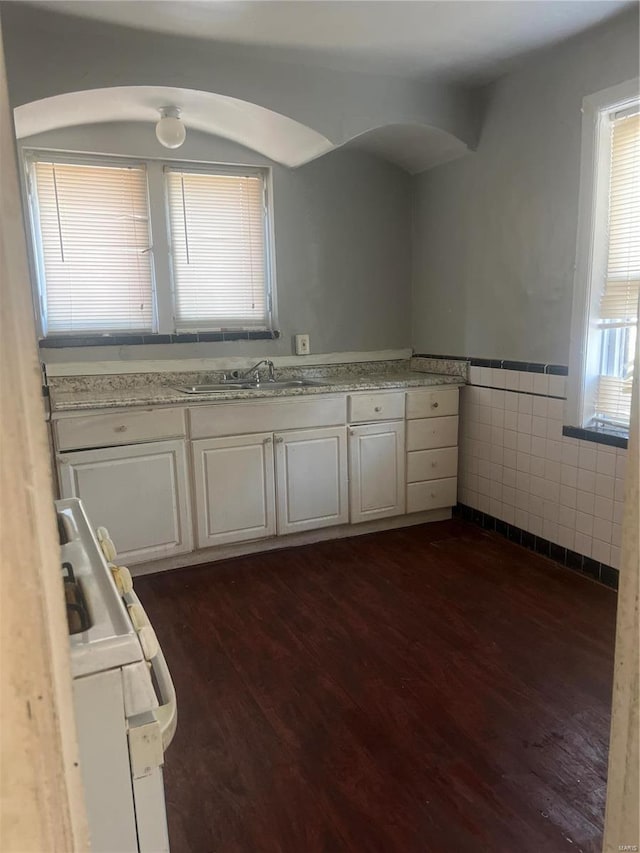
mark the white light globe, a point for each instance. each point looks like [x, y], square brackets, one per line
[170, 131]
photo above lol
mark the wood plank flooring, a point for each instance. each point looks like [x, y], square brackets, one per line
[436, 688]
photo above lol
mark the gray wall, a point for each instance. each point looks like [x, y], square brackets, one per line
[343, 245]
[495, 232]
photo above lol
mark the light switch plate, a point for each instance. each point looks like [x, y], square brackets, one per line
[302, 345]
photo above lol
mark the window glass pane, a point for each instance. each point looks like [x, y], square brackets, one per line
[219, 250]
[618, 309]
[95, 268]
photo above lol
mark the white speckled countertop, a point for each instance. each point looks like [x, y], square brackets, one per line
[161, 391]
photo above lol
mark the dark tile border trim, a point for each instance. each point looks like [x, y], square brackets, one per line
[136, 340]
[606, 575]
[599, 436]
[612, 438]
[503, 364]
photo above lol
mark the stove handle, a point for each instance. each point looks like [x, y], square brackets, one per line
[167, 712]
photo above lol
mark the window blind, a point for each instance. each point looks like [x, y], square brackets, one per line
[94, 246]
[218, 250]
[618, 310]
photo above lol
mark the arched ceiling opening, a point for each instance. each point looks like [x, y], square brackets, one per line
[411, 146]
[275, 136]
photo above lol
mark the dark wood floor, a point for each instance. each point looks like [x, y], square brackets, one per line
[436, 688]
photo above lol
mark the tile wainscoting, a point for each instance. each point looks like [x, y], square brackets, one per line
[518, 467]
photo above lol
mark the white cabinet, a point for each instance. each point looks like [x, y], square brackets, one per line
[432, 452]
[305, 469]
[234, 488]
[376, 471]
[245, 491]
[311, 479]
[139, 492]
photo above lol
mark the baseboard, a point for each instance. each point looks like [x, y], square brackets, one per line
[295, 540]
[601, 572]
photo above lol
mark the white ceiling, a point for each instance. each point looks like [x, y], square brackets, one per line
[470, 40]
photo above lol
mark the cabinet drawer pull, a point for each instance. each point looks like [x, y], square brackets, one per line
[434, 405]
[377, 408]
[121, 428]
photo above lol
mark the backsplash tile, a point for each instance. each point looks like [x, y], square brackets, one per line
[517, 466]
[448, 366]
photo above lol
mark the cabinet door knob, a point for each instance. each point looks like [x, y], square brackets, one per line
[267, 440]
[377, 409]
[352, 432]
[280, 439]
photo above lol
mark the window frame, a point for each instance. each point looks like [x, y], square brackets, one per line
[32, 156]
[269, 254]
[164, 320]
[592, 249]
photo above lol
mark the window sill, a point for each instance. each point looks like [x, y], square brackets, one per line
[136, 340]
[612, 436]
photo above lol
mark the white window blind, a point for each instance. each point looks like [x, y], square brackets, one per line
[618, 310]
[219, 250]
[94, 247]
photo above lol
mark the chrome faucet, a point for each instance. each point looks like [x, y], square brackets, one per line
[271, 376]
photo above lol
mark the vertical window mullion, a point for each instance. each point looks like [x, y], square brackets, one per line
[161, 260]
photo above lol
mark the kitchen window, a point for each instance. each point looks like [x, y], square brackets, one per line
[218, 248]
[101, 271]
[91, 228]
[608, 265]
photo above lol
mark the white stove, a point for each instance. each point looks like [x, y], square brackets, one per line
[124, 698]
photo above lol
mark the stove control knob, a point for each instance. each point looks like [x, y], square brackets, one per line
[123, 579]
[148, 641]
[107, 546]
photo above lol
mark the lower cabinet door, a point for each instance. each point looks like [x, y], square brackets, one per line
[234, 488]
[376, 471]
[140, 493]
[311, 479]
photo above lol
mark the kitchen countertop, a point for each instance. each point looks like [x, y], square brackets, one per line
[164, 394]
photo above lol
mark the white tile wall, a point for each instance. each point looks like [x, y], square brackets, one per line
[516, 465]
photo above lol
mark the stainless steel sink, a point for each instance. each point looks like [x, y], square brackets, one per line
[216, 388]
[290, 383]
[221, 387]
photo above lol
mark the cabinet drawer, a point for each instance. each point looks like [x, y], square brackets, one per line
[432, 464]
[265, 416]
[364, 408]
[432, 494]
[427, 433]
[427, 403]
[125, 428]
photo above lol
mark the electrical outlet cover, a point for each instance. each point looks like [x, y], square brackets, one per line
[302, 345]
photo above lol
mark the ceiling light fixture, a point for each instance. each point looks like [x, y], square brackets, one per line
[170, 130]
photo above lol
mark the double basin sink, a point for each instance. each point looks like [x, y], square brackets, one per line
[241, 385]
